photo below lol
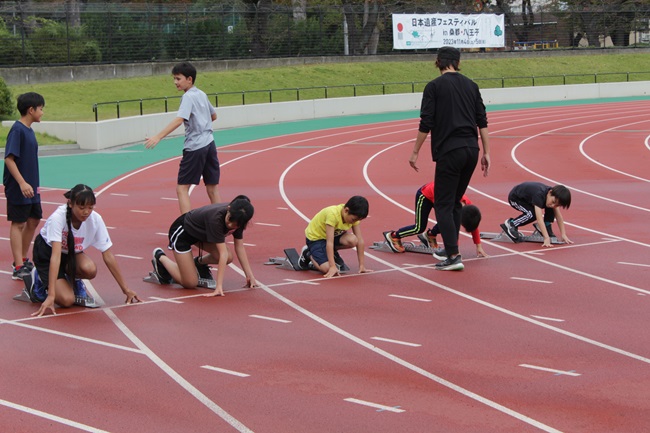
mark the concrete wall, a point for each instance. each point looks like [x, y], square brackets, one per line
[117, 132]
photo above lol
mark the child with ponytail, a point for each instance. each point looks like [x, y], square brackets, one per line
[207, 228]
[59, 258]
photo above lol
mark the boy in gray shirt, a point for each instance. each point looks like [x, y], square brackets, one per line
[199, 151]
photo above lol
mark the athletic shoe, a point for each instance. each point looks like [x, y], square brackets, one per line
[305, 258]
[205, 275]
[440, 253]
[28, 264]
[34, 287]
[338, 260]
[394, 243]
[549, 229]
[510, 230]
[20, 273]
[81, 296]
[158, 269]
[428, 240]
[451, 264]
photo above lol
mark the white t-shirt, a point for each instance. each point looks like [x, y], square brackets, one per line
[91, 233]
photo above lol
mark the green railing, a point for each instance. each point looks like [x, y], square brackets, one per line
[166, 104]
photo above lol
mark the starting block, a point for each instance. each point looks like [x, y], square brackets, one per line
[203, 282]
[82, 301]
[536, 237]
[290, 262]
[410, 247]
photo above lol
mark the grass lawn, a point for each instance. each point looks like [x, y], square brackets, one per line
[73, 101]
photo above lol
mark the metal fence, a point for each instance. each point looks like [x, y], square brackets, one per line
[77, 32]
[133, 107]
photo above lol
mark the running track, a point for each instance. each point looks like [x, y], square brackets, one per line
[528, 339]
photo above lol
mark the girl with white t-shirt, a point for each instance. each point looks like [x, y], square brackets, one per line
[76, 224]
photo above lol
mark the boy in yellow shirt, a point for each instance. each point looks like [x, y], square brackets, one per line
[329, 232]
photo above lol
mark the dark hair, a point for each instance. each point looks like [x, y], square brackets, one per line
[81, 195]
[241, 211]
[186, 69]
[443, 64]
[29, 100]
[562, 194]
[358, 206]
[470, 217]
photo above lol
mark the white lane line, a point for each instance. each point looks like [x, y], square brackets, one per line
[634, 264]
[550, 319]
[73, 336]
[128, 257]
[530, 280]
[140, 211]
[171, 301]
[268, 224]
[169, 198]
[403, 343]
[550, 370]
[118, 194]
[162, 234]
[51, 417]
[311, 283]
[223, 370]
[375, 405]
[410, 298]
[282, 208]
[272, 319]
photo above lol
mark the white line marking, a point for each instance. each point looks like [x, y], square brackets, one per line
[255, 316]
[550, 319]
[403, 343]
[173, 301]
[551, 370]
[531, 280]
[184, 383]
[51, 417]
[128, 257]
[119, 195]
[634, 264]
[268, 224]
[169, 198]
[410, 298]
[282, 208]
[641, 294]
[223, 370]
[311, 283]
[375, 405]
[139, 211]
[162, 234]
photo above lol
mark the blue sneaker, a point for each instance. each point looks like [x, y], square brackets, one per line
[34, 287]
[81, 296]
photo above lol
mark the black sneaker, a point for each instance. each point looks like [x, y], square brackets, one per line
[205, 275]
[159, 270]
[305, 258]
[549, 229]
[20, 273]
[338, 260]
[451, 264]
[28, 264]
[510, 230]
[440, 253]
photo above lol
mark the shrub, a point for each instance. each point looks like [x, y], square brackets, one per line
[6, 100]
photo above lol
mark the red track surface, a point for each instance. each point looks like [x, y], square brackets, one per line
[435, 351]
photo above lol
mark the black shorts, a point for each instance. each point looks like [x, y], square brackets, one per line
[201, 162]
[42, 255]
[179, 240]
[22, 212]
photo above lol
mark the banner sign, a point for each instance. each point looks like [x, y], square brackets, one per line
[418, 31]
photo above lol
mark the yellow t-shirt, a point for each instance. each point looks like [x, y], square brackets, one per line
[330, 216]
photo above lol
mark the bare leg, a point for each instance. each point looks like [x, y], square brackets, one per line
[213, 193]
[16, 242]
[183, 193]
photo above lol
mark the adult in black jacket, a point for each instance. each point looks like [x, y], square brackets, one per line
[453, 112]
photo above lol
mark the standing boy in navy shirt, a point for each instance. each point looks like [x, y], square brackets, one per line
[22, 182]
[199, 151]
